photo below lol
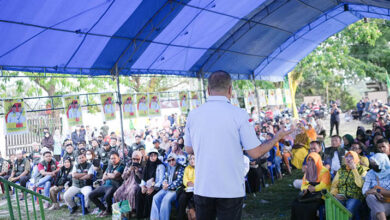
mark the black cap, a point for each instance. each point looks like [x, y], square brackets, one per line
[156, 141]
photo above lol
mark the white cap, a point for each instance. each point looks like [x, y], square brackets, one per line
[171, 155]
[154, 150]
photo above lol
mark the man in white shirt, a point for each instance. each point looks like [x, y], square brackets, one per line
[154, 106]
[129, 107]
[219, 128]
[74, 110]
[108, 107]
[16, 115]
[142, 105]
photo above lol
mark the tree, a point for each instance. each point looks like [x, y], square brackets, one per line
[337, 63]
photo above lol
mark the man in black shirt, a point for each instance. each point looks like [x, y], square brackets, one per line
[334, 118]
[156, 144]
[112, 180]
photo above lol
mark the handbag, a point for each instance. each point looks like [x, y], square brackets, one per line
[120, 208]
[309, 197]
[385, 198]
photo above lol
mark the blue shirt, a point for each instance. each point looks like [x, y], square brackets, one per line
[218, 132]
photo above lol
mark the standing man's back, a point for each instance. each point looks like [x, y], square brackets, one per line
[217, 133]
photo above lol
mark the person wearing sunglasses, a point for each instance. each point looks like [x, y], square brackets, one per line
[173, 179]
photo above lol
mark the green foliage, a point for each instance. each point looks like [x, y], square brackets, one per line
[357, 53]
[248, 84]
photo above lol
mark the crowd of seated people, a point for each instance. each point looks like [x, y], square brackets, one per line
[151, 170]
[354, 170]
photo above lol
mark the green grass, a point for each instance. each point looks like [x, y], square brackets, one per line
[279, 195]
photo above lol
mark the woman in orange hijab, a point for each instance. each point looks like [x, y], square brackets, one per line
[348, 182]
[316, 178]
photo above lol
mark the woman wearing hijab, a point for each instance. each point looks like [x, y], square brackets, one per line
[348, 141]
[152, 178]
[316, 178]
[348, 182]
[132, 178]
[311, 132]
[300, 148]
[62, 179]
[376, 187]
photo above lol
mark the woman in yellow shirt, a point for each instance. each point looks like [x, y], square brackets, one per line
[187, 196]
[316, 178]
[300, 148]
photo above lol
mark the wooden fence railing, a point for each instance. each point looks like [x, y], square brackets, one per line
[36, 124]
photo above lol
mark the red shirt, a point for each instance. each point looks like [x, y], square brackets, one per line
[41, 167]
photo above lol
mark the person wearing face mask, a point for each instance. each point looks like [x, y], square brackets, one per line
[348, 182]
[91, 158]
[48, 141]
[376, 187]
[152, 179]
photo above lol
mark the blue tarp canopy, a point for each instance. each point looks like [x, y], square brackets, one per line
[261, 38]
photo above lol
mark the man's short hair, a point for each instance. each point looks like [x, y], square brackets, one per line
[46, 152]
[81, 154]
[383, 140]
[360, 144]
[219, 81]
[114, 153]
[336, 136]
[316, 142]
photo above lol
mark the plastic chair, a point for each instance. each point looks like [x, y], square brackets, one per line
[38, 190]
[271, 171]
[248, 185]
[59, 194]
[321, 212]
[82, 201]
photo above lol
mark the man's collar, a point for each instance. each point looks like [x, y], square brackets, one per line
[218, 98]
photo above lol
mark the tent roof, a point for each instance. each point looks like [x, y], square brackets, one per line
[176, 37]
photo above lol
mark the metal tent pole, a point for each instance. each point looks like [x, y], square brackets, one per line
[203, 86]
[121, 116]
[257, 96]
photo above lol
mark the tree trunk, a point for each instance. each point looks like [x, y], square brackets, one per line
[294, 79]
